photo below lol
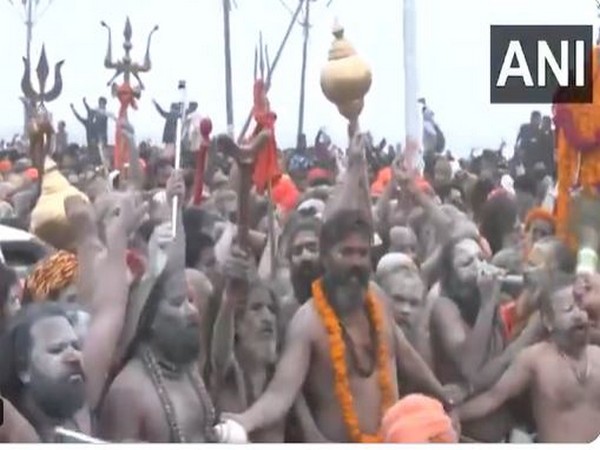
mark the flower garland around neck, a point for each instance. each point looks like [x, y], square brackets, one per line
[337, 352]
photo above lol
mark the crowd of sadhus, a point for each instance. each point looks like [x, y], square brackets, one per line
[356, 304]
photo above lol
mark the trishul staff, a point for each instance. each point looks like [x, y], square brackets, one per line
[125, 92]
[256, 161]
[40, 126]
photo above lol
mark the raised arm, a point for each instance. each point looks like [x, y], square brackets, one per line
[161, 111]
[514, 381]
[110, 297]
[78, 116]
[289, 376]
[87, 107]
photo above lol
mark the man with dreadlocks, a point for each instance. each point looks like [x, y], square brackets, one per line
[159, 395]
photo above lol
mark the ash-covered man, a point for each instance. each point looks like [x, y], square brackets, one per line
[399, 277]
[245, 342]
[47, 373]
[342, 344]
[160, 396]
[562, 373]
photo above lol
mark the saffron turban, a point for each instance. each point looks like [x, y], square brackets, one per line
[51, 275]
[417, 419]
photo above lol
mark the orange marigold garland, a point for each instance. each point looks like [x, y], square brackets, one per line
[337, 351]
[577, 150]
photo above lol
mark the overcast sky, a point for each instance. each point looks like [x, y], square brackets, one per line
[453, 60]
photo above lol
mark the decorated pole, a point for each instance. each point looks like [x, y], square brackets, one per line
[412, 122]
[125, 92]
[40, 124]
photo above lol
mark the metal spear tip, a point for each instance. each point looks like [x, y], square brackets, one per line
[181, 84]
[127, 32]
[104, 24]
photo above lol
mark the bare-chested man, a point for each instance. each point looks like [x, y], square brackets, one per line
[562, 374]
[244, 346]
[303, 256]
[307, 354]
[51, 377]
[460, 346]
[159, 396]
[400, 279]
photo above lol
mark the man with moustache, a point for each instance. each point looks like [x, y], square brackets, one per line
[47, 373]
[244, 343]
[561, 373]
[159, 396]
[303, 256]
[346, 316]
[470, 342]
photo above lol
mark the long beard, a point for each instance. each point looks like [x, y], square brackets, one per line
[180, 346]
[302, 280]
[59, 399]
[346, 291]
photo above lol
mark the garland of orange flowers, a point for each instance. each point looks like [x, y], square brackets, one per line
[575, 166]
[337, 352]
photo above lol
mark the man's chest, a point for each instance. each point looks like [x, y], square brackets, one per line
[177, 411]
[566, 384]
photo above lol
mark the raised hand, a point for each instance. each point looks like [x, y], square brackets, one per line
[158, 248]
[175, 187]
[239, 265]
[80, 214]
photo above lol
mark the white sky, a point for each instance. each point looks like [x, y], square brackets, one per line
[453, 60]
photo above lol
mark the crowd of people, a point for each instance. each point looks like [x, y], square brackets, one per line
[357, 300]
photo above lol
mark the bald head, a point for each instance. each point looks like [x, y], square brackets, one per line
[399, 277]
[395, 262]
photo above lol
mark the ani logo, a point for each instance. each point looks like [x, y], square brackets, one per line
[541, 64]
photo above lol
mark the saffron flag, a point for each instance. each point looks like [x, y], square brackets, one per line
[266, 168]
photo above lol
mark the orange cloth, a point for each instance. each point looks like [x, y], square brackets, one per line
[539, 214]
[52, 275]
[577, 150]
[417, 419]
[285, 194]
[508, 315]
[5, 166]
[384, 176]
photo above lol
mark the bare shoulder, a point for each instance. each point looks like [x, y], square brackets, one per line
[130, 385]
[305, 319]
[533, 355]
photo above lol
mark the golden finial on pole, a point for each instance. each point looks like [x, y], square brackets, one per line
[346, 78]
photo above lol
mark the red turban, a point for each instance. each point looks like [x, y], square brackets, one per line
[417, 419]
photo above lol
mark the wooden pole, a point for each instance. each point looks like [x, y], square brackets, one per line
[306, 27]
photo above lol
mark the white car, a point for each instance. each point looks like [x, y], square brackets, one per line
[21, 250]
